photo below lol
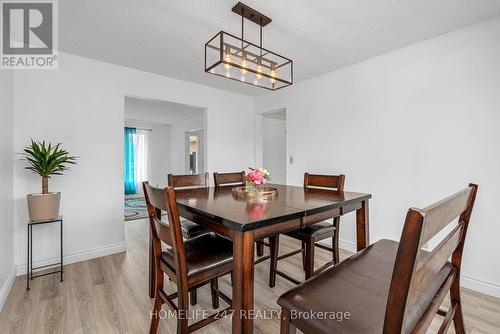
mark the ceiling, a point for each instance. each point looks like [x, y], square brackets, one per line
[160, 112]
[167, 37]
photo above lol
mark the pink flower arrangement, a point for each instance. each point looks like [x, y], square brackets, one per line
[257, 177]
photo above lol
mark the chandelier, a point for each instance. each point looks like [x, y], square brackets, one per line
[237, 59]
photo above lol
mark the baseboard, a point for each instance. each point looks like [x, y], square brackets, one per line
[343, 244]
[78, 257]
[348, 246]
[477, 285]
[7, 285]
[480, 286]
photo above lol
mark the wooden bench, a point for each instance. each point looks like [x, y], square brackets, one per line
[390, 287]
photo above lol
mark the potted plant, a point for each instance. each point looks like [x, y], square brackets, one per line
[46, 160]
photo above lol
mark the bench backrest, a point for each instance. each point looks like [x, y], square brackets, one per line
[415, 268]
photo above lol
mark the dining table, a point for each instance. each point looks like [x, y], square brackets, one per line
[246, 220]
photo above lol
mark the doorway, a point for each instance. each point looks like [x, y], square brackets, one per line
[195, 152]
[274, 145]
[161, 138]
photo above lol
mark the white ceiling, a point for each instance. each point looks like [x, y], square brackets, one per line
[168, 36]
[161, 112]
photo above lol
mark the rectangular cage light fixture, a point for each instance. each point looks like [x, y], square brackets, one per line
[234, 58]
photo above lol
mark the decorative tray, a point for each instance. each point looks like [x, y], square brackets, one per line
[255, 193]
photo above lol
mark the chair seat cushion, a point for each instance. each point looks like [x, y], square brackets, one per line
[313, 230]
[190, 229]
[359, 285]
[203, 253]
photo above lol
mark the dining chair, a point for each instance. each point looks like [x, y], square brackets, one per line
[189, 264]
[236, 179]
[391, 287]
[225, 179]
[312, 234]
[189, 228]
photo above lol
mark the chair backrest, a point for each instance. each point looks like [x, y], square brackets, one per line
[324, 181]
[188, 181]
[158, 200]
[415, 269]
[236, 179]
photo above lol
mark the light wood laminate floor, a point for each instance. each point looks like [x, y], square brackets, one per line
[109, 295]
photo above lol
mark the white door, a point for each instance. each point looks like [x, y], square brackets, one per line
[274, 149]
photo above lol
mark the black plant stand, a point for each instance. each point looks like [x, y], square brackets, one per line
[29, 263]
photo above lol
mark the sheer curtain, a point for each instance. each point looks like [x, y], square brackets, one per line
[142, 157]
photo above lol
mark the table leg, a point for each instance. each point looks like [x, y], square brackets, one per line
[362, 226]
[243, 285]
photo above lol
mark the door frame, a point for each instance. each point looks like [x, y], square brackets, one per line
[200, 133]
[259, 135]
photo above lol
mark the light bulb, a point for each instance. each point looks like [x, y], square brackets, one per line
[228, 74]
[243, 64]
[272, 73]
[227, 58]
[242, 78]
[259, 71]
[256, 82]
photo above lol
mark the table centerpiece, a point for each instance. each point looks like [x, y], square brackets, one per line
[256, 180]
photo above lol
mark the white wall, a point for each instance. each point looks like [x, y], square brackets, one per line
[158, 155]
[82, 105]
[409, 127]
[6, 160]
[178, 131]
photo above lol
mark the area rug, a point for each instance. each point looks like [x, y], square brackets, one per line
[135, 208]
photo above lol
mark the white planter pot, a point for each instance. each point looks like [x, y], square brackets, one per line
[43, 206]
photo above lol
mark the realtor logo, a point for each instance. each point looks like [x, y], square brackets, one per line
[29, 35]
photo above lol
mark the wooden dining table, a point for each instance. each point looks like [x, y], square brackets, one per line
[245, 221]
